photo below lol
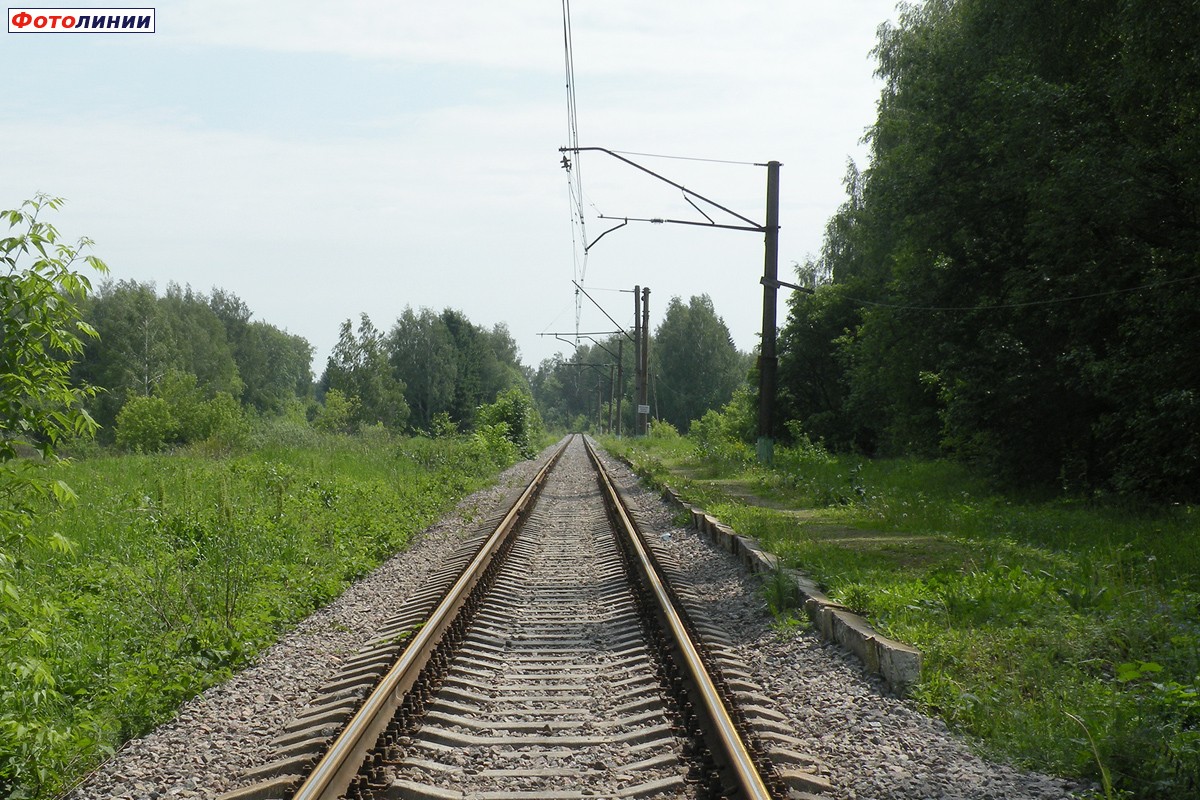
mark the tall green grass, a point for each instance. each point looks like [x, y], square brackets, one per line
[1034, 614]
[184, 566]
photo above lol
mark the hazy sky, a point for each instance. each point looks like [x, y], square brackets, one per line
[325, 159]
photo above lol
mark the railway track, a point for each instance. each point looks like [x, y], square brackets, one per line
[553, 657]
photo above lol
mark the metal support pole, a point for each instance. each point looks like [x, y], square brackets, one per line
[644, 398]
[611, 388]
[767, 359]
[620, 380]
[637, 358]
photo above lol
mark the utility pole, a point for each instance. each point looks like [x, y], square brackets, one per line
[767, 360]
[611, 387]
[599, 404]
[643, 398]
[620, 389]
[637, 358]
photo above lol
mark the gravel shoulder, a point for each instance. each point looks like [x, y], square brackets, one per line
[218, 735]
[870, 744]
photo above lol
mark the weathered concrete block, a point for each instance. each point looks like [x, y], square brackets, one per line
[853, 633]
[760, 561]
[899, 664]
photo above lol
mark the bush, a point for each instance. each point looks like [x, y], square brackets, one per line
[223, 423]
[441, 426]
[493, 444]
[336, 414]
[522, 424]
[718, 442]
[146, 425]
[661, 429]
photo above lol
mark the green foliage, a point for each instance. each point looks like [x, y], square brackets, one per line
[514, 412]
[177, 413]
[185, 566]
[274, 365]
[723, 437]
[1029, 612]
[1014, 279]
[696, 365]
[146, 425]
[661, 429]
[145, 339]
[337, 412]
[359, 368]
[448, 365]
[442, 426]
[42, 332]
[422, 353]
[493, 445]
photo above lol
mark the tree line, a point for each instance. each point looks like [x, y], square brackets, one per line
[147, 343]
[429, 371]
[694, 366]
[183, 366]
[1015, 278]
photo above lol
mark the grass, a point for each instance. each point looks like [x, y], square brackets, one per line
[1061, 635]
[183, 566]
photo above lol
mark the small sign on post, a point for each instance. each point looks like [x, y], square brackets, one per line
[643, 409]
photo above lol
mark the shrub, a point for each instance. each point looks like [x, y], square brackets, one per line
[718, 443]
[222, 423]
[661, 429]
[146, 425]
[522, 424]
[493, 444]
[336, 414]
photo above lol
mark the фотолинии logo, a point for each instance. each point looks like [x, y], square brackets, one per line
[81, 20]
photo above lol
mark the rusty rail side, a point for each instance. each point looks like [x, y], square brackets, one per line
[333, 773]
[722, 727]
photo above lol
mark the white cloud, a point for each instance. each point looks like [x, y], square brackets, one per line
[464, 205]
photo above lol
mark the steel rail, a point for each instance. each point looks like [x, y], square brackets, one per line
[724, 730]
[332, 774]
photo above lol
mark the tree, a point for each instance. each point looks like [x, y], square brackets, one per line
[133, 350]
[448, 364]
[423, 357]
[696, 365]
[358, 367]
[514, 411]
[275, 366]
[202, 346]
[41, 332]
[1016, 273]
[144, 337]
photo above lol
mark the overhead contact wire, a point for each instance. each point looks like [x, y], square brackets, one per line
[574, 170]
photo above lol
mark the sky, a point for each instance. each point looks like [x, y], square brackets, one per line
[324, 160]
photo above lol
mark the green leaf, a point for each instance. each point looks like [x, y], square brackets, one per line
[63, 493]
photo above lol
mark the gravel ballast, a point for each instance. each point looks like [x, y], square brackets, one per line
[219, 735]
[869, 744]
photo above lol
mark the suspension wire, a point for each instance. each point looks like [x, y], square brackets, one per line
[690, 158]
[574, 170]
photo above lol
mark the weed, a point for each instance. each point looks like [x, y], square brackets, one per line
[857, 597]
[1021, 605]
[187, 565]
[1105, 779]
[788, 624]
[779, 590]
